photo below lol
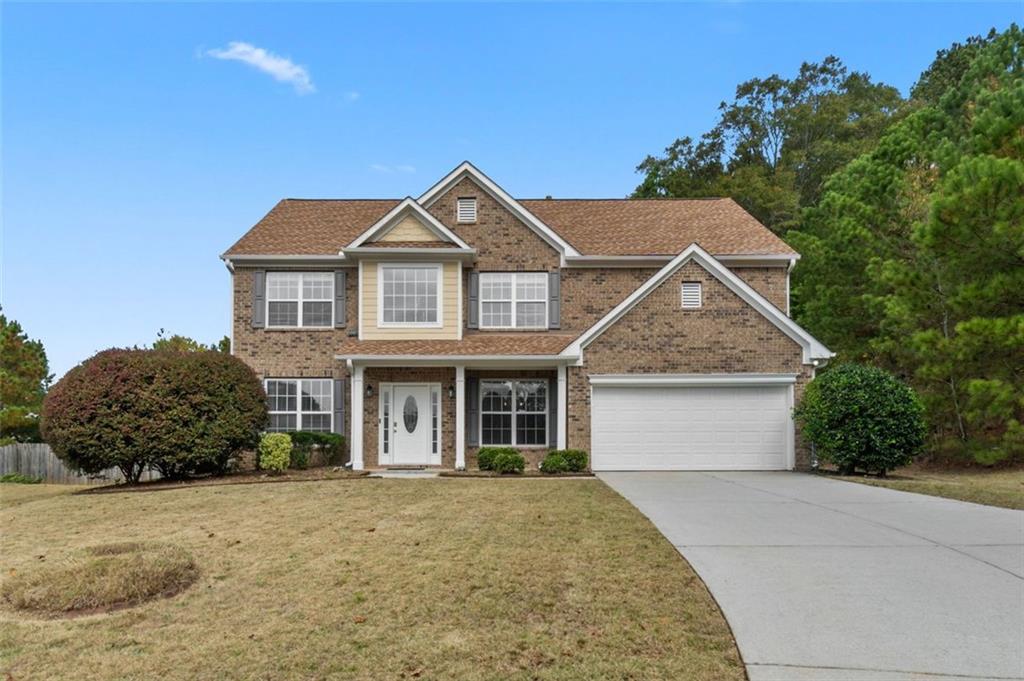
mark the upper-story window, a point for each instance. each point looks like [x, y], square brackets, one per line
[410, 295]
[513, 300]
[465, 209]
[300, 299]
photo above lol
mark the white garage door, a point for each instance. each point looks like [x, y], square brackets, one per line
[690, 428]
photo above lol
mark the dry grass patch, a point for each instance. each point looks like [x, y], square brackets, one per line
[100, 577]
[13, 495]
[1003, 488]
[382, 579]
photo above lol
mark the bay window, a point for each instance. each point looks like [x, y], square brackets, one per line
[300, 404]
[298, 299]
[513, 300]
[514, 413]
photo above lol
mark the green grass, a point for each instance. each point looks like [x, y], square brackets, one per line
[991, 487]
[375, 579]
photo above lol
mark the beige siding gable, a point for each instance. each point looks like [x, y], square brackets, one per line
[410, 229]
[450, 322]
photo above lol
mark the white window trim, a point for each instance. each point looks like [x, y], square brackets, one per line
[515, 299]
[437, 267]
[298, 403]
[682, 295]
[512, 383]
[300, 300]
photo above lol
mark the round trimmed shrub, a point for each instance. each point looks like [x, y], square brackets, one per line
[575, 459]
[486, 455]
[861, 417]
[554, 462]
[180, 412]
[508, 461]
[275, 452]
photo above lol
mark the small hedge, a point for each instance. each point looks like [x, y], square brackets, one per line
[485, 457]
[305, 444]
[19, 479]
[564, 461]
[553, 463]
[508, 461]
[861, 417]
[275, 452]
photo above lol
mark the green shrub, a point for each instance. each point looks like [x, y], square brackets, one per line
[554, 462]
[299, 457]
[180, 412]
[861, 417]
[275, 452]
[20, 479]
[575, 459]
[485, 457]
[330, 447]
[508, 461]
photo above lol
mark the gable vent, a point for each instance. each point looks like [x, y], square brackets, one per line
[691, 294]
[466, 210]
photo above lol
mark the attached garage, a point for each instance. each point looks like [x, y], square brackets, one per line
[692, 422]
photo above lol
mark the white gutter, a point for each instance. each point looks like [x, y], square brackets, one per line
[729, 259]
[690, 380]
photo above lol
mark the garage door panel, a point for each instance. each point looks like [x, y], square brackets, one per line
[690, 428]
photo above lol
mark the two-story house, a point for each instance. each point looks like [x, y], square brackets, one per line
[654, 334]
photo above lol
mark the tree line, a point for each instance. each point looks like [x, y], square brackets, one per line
[908, 214]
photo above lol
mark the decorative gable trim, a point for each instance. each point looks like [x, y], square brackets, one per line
[467, 169]
[408, 206]
[813, 349]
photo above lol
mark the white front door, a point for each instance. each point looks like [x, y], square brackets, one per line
[411, 425]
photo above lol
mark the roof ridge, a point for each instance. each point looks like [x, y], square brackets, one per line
[292, 198]
[652, 199]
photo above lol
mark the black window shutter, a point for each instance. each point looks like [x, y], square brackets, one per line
[340, 319]
[472, 411]
[339, 406]
[554, 300]
[553, 407]
[259, 299]
[473, 319]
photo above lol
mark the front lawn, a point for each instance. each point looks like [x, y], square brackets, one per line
[13, 494]
[995, 488]
[376, 579]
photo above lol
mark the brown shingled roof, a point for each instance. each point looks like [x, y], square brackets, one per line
[656, 226]
[480, 343]
[592, 226]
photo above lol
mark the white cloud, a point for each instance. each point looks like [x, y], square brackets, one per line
[279, 68]
[401, 168]
[351, 96]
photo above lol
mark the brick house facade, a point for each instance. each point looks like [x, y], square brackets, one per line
[605, 276]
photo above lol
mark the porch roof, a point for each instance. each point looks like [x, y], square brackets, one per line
[473, 344]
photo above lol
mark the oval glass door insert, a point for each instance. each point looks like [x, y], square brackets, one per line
[410, 413]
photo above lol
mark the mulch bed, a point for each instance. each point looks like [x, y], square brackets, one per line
[245, 478]
[512, 476]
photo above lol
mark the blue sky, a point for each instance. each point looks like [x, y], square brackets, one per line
[138, 143]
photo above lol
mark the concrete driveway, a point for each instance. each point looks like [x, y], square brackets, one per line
[823, 579]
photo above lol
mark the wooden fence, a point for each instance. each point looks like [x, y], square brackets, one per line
[38, 460]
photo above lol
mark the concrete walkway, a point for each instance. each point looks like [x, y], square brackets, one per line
[823, 579]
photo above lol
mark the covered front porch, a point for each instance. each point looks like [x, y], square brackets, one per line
[436, 412]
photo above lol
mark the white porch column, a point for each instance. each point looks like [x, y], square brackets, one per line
[460, 418]
[563, 406]
[356, 418]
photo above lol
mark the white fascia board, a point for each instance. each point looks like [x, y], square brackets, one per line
[399, 254]
[284, 260]
[812, 348]
[690, 380]
[501, 196]
[405, 206]
[470, 361]
[733, 259]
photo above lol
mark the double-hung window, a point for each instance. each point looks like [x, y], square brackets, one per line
[513, 300]
[300, 404]
[300, 299]
[410, 295]
[514, 413]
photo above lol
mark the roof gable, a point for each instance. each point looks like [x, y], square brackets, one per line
[430, 228]
[813, 349]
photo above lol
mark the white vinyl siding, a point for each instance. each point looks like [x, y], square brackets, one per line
[300, 404]
[513, 300]
[465, 210]
[514, 413]
[691, 294]
[300, 299]
[410, 295]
